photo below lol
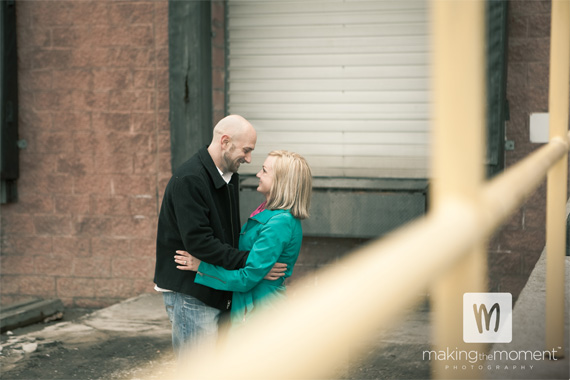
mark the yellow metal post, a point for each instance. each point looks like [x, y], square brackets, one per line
[457, 161]
[557, 176]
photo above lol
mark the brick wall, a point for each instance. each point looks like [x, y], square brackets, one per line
[93, 82]
[515, 249]
[94, 110]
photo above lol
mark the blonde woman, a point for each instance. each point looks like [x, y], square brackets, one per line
[272, 234]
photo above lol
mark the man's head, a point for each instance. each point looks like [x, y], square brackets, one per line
[234, 140]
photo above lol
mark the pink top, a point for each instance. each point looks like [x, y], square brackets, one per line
[259, 209]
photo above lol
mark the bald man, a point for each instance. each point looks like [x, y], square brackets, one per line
[200, 214]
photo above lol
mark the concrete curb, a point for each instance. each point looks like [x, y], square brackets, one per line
[29, 312]
[529, 334]
[529, 328]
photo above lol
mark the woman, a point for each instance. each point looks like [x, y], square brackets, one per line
[272, 234]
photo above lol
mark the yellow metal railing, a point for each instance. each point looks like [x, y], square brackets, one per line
[444, 251]
[558, 174]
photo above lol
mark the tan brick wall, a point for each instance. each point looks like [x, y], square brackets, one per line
[94, 110]
[515, 249]
[93, 83]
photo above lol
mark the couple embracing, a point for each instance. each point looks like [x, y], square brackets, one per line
[205, 266]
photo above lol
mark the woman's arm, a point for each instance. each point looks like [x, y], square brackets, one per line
[186, 261]
[273, 238]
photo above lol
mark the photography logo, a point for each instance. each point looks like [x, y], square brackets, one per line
[487, 317]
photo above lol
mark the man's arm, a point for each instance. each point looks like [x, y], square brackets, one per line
[276, 272]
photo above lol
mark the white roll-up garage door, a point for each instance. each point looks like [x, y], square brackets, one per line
[344, 83]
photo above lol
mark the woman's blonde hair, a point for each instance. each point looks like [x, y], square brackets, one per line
[292, 184]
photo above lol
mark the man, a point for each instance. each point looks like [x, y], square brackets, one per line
[200, 214]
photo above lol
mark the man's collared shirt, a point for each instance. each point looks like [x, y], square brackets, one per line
[227, 176]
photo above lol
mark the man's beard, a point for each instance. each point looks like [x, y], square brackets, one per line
[231, 165]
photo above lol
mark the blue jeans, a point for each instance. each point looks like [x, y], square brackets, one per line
[192, 321]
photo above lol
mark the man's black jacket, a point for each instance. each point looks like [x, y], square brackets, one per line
[199, 214]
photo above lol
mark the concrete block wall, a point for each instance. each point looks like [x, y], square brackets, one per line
[93, 98]
[515, 249]
[94, 111]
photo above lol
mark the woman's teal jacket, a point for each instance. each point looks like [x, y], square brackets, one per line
[271, 236]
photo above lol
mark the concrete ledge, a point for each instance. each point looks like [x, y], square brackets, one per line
[28, 312]
[529, 331]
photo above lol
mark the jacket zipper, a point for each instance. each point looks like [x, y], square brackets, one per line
[229, 302]
[231, 216]
[214, 277]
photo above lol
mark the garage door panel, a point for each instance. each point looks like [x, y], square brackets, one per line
[345, 83]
